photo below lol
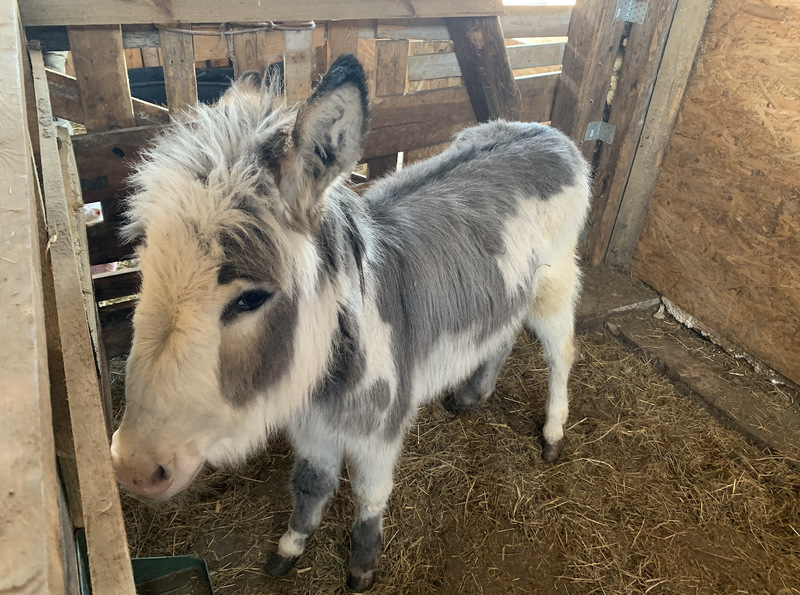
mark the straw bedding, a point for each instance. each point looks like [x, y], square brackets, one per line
[651, 495]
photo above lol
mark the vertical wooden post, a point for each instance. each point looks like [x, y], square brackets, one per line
[391, 56]
[342, 39]
[481, 52]
[643, 52]
[673, 76]
[297, 61]
[101, 76]
[180, 79]
[30, 547]
[109, 558]
[593, 41]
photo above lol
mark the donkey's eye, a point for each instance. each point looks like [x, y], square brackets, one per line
[251, 300]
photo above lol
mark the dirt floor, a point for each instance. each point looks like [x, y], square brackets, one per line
[652, 495]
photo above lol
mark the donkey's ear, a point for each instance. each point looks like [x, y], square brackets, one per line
[327, 140]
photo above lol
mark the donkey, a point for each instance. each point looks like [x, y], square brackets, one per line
[273, 296]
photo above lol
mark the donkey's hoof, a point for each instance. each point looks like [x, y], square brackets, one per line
[361, 582]
[552, 451]
[278, 565]
[455, 405]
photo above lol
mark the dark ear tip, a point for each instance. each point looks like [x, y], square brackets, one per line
[345, 69]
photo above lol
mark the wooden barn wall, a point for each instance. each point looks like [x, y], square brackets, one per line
[722, 238]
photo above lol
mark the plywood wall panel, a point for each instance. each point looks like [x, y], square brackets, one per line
[722, 238]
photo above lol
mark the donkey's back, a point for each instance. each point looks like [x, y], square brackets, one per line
[472, 243]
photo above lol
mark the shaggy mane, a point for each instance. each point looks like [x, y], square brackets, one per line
[205, 169]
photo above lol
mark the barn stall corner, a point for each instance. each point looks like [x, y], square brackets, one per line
[679, 471]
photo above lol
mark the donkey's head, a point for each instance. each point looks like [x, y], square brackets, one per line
[234, 321]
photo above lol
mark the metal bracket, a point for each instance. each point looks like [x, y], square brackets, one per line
[630, 11]
[602, 131]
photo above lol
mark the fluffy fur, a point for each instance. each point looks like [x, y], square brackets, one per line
[371, 306]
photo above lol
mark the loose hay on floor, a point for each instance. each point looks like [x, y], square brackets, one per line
[651, 495]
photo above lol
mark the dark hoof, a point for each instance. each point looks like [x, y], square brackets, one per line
[361, 582]
[551, 452]
[452, 404]
[279, 565]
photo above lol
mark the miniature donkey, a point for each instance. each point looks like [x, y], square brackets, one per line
[274, 297]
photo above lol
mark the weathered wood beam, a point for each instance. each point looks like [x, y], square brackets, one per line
[180, 80]
[594, 39]
[481, 52]
[30, 546]
[673, 76]
[102, 78]
[634, 89]
[109, 558]
[65, 103]
[94, 12]
[297, 60]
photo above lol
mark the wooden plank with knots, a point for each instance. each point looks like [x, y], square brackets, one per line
[481, 52]
[342, 39]
[628, 109]
[297, 63]
[30, 546]
[682, 44]
[91, 12]
[109, 558]
[180, 80]
[594, 38]
[391, 57]
[101, 76]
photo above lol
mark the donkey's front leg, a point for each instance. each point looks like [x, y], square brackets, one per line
[371, 471]
[315, 478]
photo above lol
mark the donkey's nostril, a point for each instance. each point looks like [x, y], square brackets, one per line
[161, 475]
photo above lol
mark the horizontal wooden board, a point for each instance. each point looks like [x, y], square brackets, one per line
[106, 12]
[722, 239]
[517, 21]
[104, 161]
[433, 117]
[441, 65]
[116, 320]
[65, 102]
[207, 47]
[116, 284]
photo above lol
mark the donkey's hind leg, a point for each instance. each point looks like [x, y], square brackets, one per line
[552, 319]
[480, 385]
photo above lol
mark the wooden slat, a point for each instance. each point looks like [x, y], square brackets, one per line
[117, 284]
[150, 58]
[594, 38]
[445, 65]
[342, 39]
[483, 60]
[177, 55]
[30, 546]
[392, 67]
[133, 58]
[432, 117]
[366, 55]
[65, 102]
[634, 89]
[93, 12]
[536, 21]
[116, 321]
[72, 186]
[104, 161]
[297, 61]
[673, 75]
[101, 76]
[392, 71]
[518, 21]
[105, 245]
[109, 558]
[255, 50]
